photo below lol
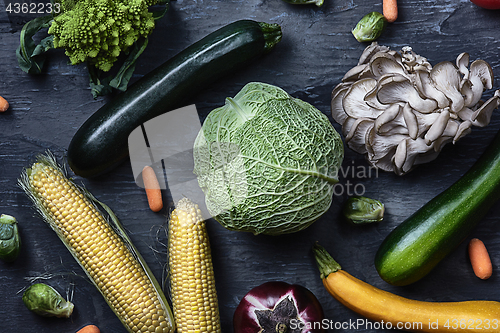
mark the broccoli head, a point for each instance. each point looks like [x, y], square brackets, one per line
[97, 31]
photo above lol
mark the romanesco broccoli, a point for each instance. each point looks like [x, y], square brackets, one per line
[97, 31]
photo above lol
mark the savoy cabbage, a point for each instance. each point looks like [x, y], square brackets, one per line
[267, 162]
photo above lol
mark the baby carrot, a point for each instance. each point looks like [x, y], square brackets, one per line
[390, 10]
[89, 329]
[152, 187]
[4, 105]
[480, 259]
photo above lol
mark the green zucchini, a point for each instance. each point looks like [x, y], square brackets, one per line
[100, 144]
[418, 244]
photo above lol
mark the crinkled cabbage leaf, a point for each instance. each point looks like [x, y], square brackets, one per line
[267, 162]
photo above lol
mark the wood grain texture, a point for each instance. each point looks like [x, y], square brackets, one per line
[316, 50]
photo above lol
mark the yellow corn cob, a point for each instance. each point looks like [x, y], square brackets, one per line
[107, 256]
[192, 284]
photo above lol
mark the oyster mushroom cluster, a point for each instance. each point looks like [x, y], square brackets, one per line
[400, 110]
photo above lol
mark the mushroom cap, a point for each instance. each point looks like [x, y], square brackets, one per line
[482, 116]
[356, 138]
[399, 89]
[447, 79]
[463, 129]
[438, 127]
[411, 121]
[427, 88]
[462, 63]
[356, 73]
[479, 79]
[388, 118]
[385, 63]
[353, 101]
[481, 69]
[370, 50]
[338, 113]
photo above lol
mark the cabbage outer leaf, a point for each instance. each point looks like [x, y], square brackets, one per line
[267, 162]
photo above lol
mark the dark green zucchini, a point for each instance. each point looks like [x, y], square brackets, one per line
[418, 244]
[100, 144]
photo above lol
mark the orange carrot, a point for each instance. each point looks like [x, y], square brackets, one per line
[4, 105]
[480, 259]
[152, 187]
[390, 10]
[89, 329]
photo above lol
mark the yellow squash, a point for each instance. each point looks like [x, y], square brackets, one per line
[397, 312]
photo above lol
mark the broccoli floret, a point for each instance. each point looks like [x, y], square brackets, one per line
[97, 31]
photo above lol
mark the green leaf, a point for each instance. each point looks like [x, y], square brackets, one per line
[160, 13]
[98, 86]
[29, 56]
[101, 86]
[122, 78]
[45, 44]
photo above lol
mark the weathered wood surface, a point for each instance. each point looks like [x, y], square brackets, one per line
[316, 50]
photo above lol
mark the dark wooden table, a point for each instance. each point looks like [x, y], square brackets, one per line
[316, 50]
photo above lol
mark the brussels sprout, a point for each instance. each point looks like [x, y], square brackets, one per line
[361, 210]
[370, 27]
[10, 242]
[46, 301]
